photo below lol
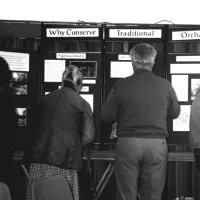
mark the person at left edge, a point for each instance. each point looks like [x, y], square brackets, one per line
[65, 127]
[8, 125]
[194, 138]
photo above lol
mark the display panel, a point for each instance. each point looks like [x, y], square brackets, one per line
[16, 61]
[88, 68]
[120, 69]
[182, 122]
[53, 70]
[21, 116]
[89, 98]
[179, 82]
[195, 86]
[185, 68]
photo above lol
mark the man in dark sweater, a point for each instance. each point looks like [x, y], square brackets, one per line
[141, 104]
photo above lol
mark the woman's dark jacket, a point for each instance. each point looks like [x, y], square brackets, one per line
[66, 125]
[8, 124]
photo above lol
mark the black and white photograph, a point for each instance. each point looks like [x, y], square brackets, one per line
[19, 77]
[19, 89]
[88, 68]
[21, 116]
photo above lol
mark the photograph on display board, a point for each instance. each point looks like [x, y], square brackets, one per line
[195, 84]
[19, 77]
[182, 122]
[21, 116]
[88, 68]
[19, 89]
[18, 83]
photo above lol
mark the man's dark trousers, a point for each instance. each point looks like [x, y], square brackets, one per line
[143, 161]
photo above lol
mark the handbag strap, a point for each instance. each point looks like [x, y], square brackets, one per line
[89, 167]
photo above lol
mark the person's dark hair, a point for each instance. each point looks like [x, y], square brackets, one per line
[5, 73]
[71, 74]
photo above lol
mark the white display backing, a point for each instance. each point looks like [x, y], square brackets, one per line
[120, 69]
[53, 70]
[185, 68]
[179, 82]
[89, 98]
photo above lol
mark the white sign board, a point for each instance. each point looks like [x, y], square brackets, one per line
[16, 61]
[186, 35]
[72, 32]
[187, 58]
[135, 33]
[124, 57]
[86, 81]
[70, 55]
[85, 89]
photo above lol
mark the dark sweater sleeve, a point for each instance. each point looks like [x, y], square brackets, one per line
[88, 132]
[174, 107]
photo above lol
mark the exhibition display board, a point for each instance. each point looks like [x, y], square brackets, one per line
[183, 71]
[101, 51]
[20, 47]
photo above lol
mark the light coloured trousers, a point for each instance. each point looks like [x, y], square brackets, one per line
[140, 165]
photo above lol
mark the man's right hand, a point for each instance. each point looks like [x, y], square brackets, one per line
[114, 131]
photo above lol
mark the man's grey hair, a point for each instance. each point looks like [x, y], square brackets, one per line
[143, 54]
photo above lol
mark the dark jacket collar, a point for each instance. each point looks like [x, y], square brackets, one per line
[69, 84]
[142, 70]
